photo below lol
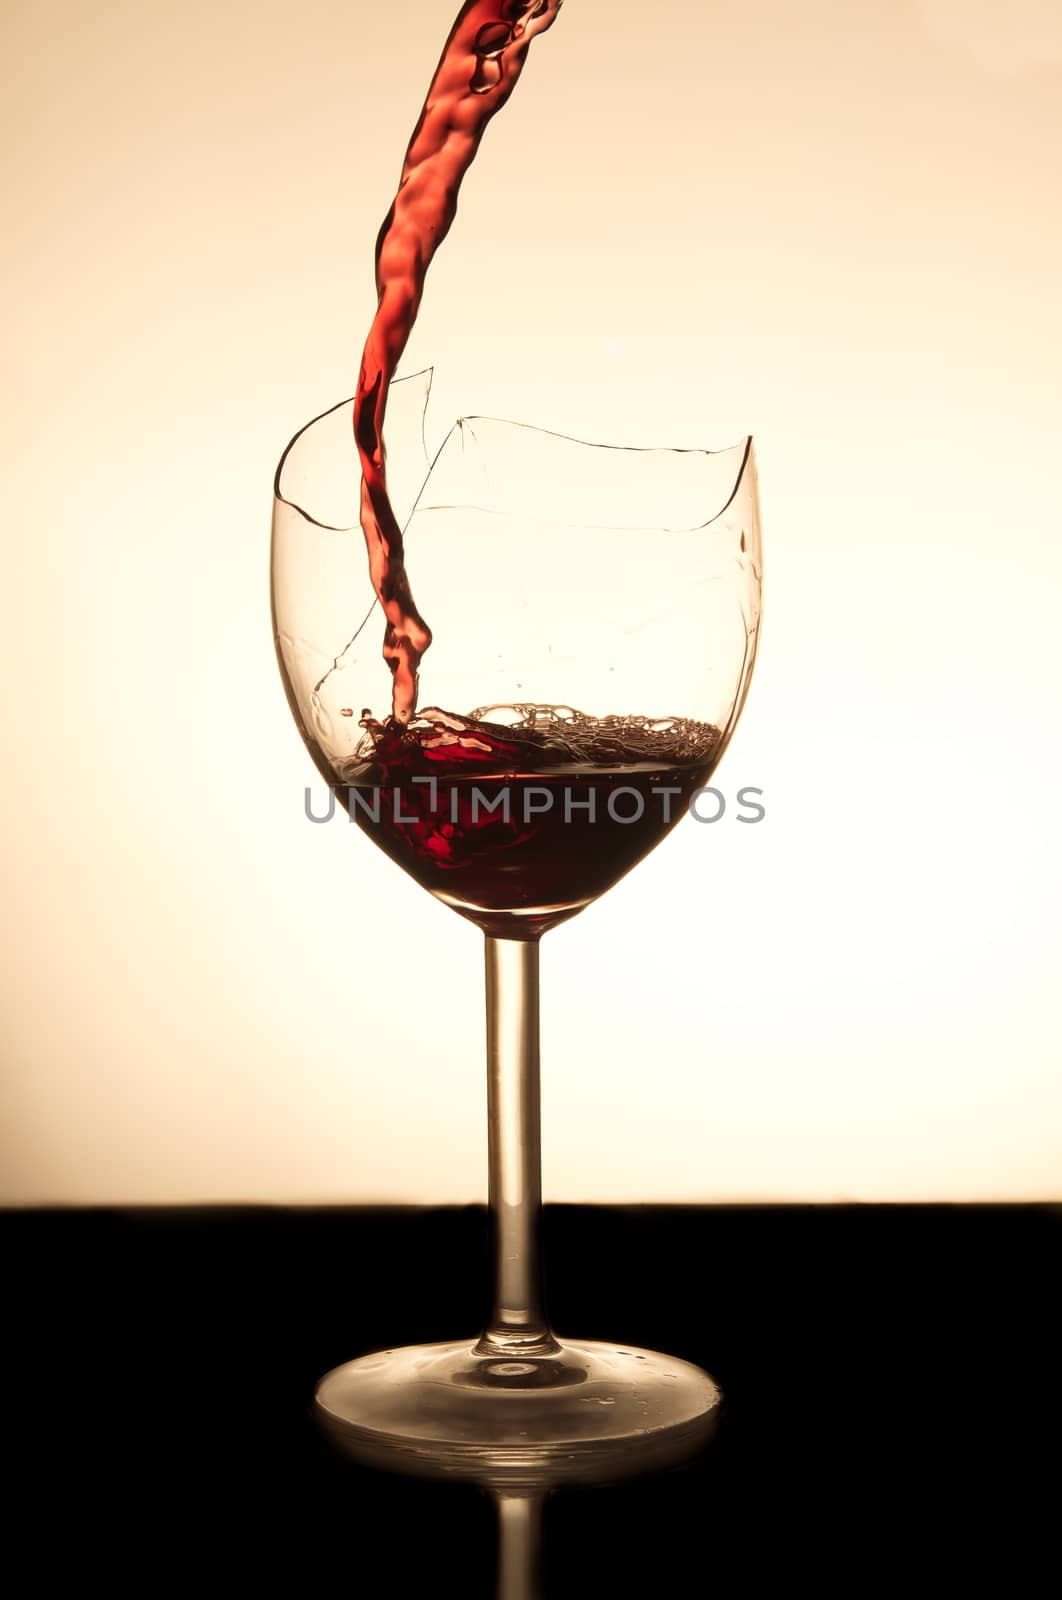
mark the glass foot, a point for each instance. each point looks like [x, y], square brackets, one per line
[587, 1410]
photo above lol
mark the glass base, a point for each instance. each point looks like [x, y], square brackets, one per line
[585, 1412]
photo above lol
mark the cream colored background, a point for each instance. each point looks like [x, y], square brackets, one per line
[834, 223]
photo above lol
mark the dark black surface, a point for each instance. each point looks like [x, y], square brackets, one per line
[892, 1377]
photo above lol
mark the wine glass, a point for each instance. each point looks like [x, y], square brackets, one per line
[595, 612]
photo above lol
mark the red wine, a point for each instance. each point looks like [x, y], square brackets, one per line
[515, 816]
[520, 823]
[477, 73]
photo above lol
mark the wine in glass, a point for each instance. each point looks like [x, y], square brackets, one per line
[595, 613]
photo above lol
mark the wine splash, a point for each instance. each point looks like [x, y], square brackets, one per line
[477, 72]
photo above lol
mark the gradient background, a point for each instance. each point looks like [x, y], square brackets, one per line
[834, 224]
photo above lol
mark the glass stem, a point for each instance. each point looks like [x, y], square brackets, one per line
[517, 1324]
[519, 1545]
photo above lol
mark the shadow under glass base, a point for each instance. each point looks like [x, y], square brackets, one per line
[585, 1410]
